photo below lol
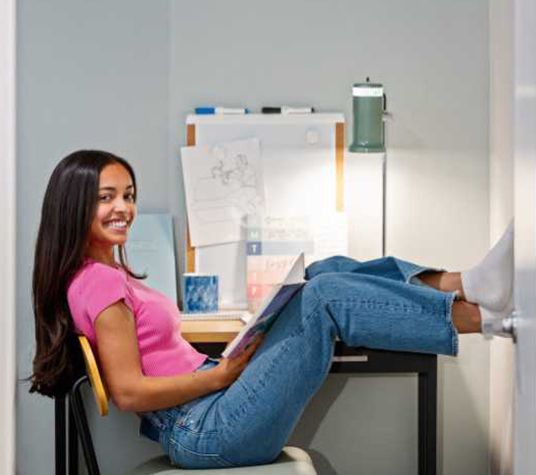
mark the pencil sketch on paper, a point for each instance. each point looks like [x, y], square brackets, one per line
[229, 189]
[223, 183]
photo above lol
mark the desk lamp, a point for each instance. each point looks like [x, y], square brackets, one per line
[369, 106]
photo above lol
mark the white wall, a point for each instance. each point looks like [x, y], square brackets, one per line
[123, 75]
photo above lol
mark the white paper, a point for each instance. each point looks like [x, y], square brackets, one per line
[272, 241]
[318, 236]
[330, 235]
[223, 183]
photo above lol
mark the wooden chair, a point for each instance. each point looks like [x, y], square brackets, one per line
[292, 461]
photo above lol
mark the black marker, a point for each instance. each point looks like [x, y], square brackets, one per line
[287, 110]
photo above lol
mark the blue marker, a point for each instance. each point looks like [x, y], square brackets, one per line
[220, 110]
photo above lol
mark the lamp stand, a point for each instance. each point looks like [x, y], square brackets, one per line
[384, 201]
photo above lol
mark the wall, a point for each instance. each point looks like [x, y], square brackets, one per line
[93, 75]
[7, 236]
[501, 33]
[432, 57]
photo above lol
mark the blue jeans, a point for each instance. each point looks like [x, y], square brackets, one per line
[378, 304]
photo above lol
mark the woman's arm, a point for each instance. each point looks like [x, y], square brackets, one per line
[130, 389]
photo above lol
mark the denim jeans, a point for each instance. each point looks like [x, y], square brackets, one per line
[378, 304]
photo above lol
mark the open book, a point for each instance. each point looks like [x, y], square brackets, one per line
[265, 316]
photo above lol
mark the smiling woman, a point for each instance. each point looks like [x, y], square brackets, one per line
[203, 412]
[88, 205]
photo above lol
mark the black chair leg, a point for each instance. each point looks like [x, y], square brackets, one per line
[59, 416]
[77, 406]
[72, 457]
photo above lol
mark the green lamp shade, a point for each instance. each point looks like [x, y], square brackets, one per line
[369, 105]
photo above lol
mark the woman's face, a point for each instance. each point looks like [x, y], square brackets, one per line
[116, 209]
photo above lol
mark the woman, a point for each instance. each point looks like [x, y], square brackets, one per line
[204, 412]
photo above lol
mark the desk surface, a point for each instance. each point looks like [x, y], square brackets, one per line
[210, 331]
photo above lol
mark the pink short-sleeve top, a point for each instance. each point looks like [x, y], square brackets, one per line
[163, 351]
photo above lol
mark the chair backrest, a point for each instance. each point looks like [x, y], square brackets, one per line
[92, 369]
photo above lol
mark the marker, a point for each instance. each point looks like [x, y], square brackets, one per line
[287, 110]
[220, 110]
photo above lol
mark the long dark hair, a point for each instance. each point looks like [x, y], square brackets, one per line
[69, 206]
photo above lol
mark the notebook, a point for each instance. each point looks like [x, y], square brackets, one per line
[270, 310]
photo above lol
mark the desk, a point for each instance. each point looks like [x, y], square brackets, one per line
[211, 337]
[210, 331]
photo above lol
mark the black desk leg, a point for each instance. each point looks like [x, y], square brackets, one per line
[428, 422]
[60, 435]
[73, 443]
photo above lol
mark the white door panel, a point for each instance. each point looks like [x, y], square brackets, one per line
[525, 229]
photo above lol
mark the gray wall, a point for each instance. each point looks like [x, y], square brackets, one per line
[123, 75]
[432, 57]
[91, 74]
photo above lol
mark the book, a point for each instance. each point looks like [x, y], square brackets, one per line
[263, 319]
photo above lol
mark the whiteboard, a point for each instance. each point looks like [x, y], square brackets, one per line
[299, 167]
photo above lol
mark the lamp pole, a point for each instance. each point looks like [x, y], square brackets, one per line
[384, 201]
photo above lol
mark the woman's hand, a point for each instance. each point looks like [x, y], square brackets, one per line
[229, 369]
